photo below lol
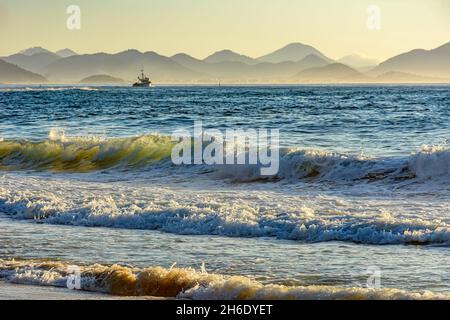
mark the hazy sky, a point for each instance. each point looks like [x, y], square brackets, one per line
[200, 27]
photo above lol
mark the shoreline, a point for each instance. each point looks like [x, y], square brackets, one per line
[13, 291]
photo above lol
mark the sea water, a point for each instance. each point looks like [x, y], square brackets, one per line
[359, 208]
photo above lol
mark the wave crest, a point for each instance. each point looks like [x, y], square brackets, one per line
[60, 153]
[320, 166]
[431, 162]
[63, 154]
[184, 283]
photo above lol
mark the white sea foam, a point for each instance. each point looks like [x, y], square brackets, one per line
[46, 88]
[301, 213]
[318, 165]
[185, 283]
[378, 201]
[432, 162]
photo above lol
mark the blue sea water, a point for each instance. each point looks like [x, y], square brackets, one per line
[378, 120]
[363, 182]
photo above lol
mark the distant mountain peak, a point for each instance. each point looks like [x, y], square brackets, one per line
[296, 45]
[225, 51]
[154, 53]
[64, 53]
[34, 59]
[34, 50]
[228, 55]
[312, 57]
[181, 54]
[183, 57]
[429, 63]
[129, 54]
[444, 47]
[332, 73]
[292, 52]
[130, 51]
[11, 73]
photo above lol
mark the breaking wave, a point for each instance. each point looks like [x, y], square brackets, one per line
[204, 216]
[83, 154]
[47, 88]
[183, 283]
[234, 214]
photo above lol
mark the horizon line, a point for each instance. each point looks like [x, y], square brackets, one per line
[221, 50]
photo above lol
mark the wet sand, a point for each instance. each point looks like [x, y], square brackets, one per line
[10, 291]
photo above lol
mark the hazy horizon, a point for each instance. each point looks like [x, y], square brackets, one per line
[200, 28]
[336, 58]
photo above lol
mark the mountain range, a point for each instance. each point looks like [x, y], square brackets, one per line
[293, 52]
[10, 73]
[294, 63]
[431, 63]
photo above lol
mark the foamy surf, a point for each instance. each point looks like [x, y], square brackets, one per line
[215, 210]
[60, 153]
[47, 88]
[294, 214]
[184, 283]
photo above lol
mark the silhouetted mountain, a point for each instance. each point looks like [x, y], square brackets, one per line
[64, 53]
[357, 61]
[102, 79]
[34, 50]
[312, 61]
[281, 72]
[305, 62]
[224, 65]
[332, 73]
[401, 77]
[431, 63]
[239, 71]
[293, 52]
[210, 71]
[36, 62]
[125, 65]
[190, 62]
[10, 73]
[229, 56]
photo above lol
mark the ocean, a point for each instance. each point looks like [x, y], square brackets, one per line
[358, 210]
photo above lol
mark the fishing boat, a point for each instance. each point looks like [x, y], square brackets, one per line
[143, 81]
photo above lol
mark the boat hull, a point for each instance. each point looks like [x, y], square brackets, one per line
[138, 85]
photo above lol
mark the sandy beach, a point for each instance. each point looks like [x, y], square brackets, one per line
[9, 291]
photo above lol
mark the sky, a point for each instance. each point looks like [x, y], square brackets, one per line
[201, 27]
